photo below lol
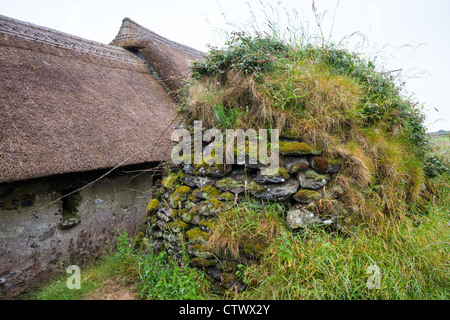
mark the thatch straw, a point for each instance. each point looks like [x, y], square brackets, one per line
[70, 105]
[170, 59]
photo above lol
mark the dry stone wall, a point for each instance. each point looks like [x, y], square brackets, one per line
[192, 197]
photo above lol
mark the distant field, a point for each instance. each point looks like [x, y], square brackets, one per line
[441, 143]
[443, 138]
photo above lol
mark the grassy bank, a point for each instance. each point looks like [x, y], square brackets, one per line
[411, 254]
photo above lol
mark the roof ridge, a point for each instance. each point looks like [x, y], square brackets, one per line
[57, 38]
[154, 36]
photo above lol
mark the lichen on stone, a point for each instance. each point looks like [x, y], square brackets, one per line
[229, 183]
[188, 216]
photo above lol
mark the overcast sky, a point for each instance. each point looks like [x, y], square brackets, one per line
[411, 35]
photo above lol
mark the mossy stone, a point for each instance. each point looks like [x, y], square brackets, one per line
[196, 181]
[196, 235]
[289, 148]
[326, 165]
[211, 207]
[199, 195]
[278, 192]
[226, 196]
[208, 223]
[256, 188]
[215, 170]
[202, 263]
[171, 181]
[300, 216]
[295, 164]
[229, 183]
[200, 251]
[193, 198]
[152, 221]
[210, 192]
[178, 226]
[152, 206]
[307, 196]
[189, 205]
[336, 192]
[311, 174]
[174, 238]
[188, 216]
[279, 175]
[179, 195]
[228, 266]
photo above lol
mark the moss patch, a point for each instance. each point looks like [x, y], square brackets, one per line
[307, 196]
[178, 226]
[179, 196]
[171, 181]
[210, 191]
[152, 206]
[208, 223]
[229, 183]
[297, 148]
[311, 174]
[226, 196]
[197, 236]
[202, 263]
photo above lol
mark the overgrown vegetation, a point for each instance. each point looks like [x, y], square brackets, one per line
[326, 95]
[147, 274]
[396, 182]
[411, 255]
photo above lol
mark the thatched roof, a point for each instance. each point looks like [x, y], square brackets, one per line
[170, 59]
[69, 105]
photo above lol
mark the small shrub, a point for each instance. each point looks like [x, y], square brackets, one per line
[249, 54]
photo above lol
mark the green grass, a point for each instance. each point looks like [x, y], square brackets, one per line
[151, 275]
[411, 252]
[160, 276]
[413, 265]
[93, 276]
[442, 138]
